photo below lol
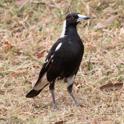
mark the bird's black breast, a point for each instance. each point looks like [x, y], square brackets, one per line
[70, 50]
[66, 59]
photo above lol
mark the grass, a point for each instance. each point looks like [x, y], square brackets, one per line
[27, 31]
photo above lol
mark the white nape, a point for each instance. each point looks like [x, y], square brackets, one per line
[58, 47]
[64, 29]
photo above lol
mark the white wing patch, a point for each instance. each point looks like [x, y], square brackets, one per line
[51, 59]
[47, 61]
[58, 47]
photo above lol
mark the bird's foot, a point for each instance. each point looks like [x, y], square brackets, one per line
[54, 107]
[77, 103]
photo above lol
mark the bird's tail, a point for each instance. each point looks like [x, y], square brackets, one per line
[35, 92]
[39, 86]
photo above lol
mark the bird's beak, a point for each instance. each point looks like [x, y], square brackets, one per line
[82, 17]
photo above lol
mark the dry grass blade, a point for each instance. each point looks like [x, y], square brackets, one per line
[111, 87]
[59, 122]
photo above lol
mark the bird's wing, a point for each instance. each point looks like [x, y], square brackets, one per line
[45, 67]
[53, 50]
[40, 85]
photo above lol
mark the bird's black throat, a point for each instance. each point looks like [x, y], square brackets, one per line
[71, 31]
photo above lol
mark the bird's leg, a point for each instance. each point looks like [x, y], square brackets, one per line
[69, 88]
[51, 87]
[71, 94]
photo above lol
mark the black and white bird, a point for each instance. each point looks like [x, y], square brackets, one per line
[63, 59]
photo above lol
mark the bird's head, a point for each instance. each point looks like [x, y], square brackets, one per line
[75, 18]
[72, 20]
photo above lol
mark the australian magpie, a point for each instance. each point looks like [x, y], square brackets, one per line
[63, 59]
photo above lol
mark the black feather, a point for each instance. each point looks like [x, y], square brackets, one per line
[33, 93]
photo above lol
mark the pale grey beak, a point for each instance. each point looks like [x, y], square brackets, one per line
[82, 17]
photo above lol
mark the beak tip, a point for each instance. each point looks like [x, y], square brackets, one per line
[89, 17]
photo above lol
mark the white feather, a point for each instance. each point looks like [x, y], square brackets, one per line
[70, 80]
[58, 47]
[63, 30]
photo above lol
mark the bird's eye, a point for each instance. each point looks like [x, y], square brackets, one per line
[74, 16]
[69, 16]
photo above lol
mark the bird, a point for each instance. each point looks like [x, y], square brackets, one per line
[63, 59]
